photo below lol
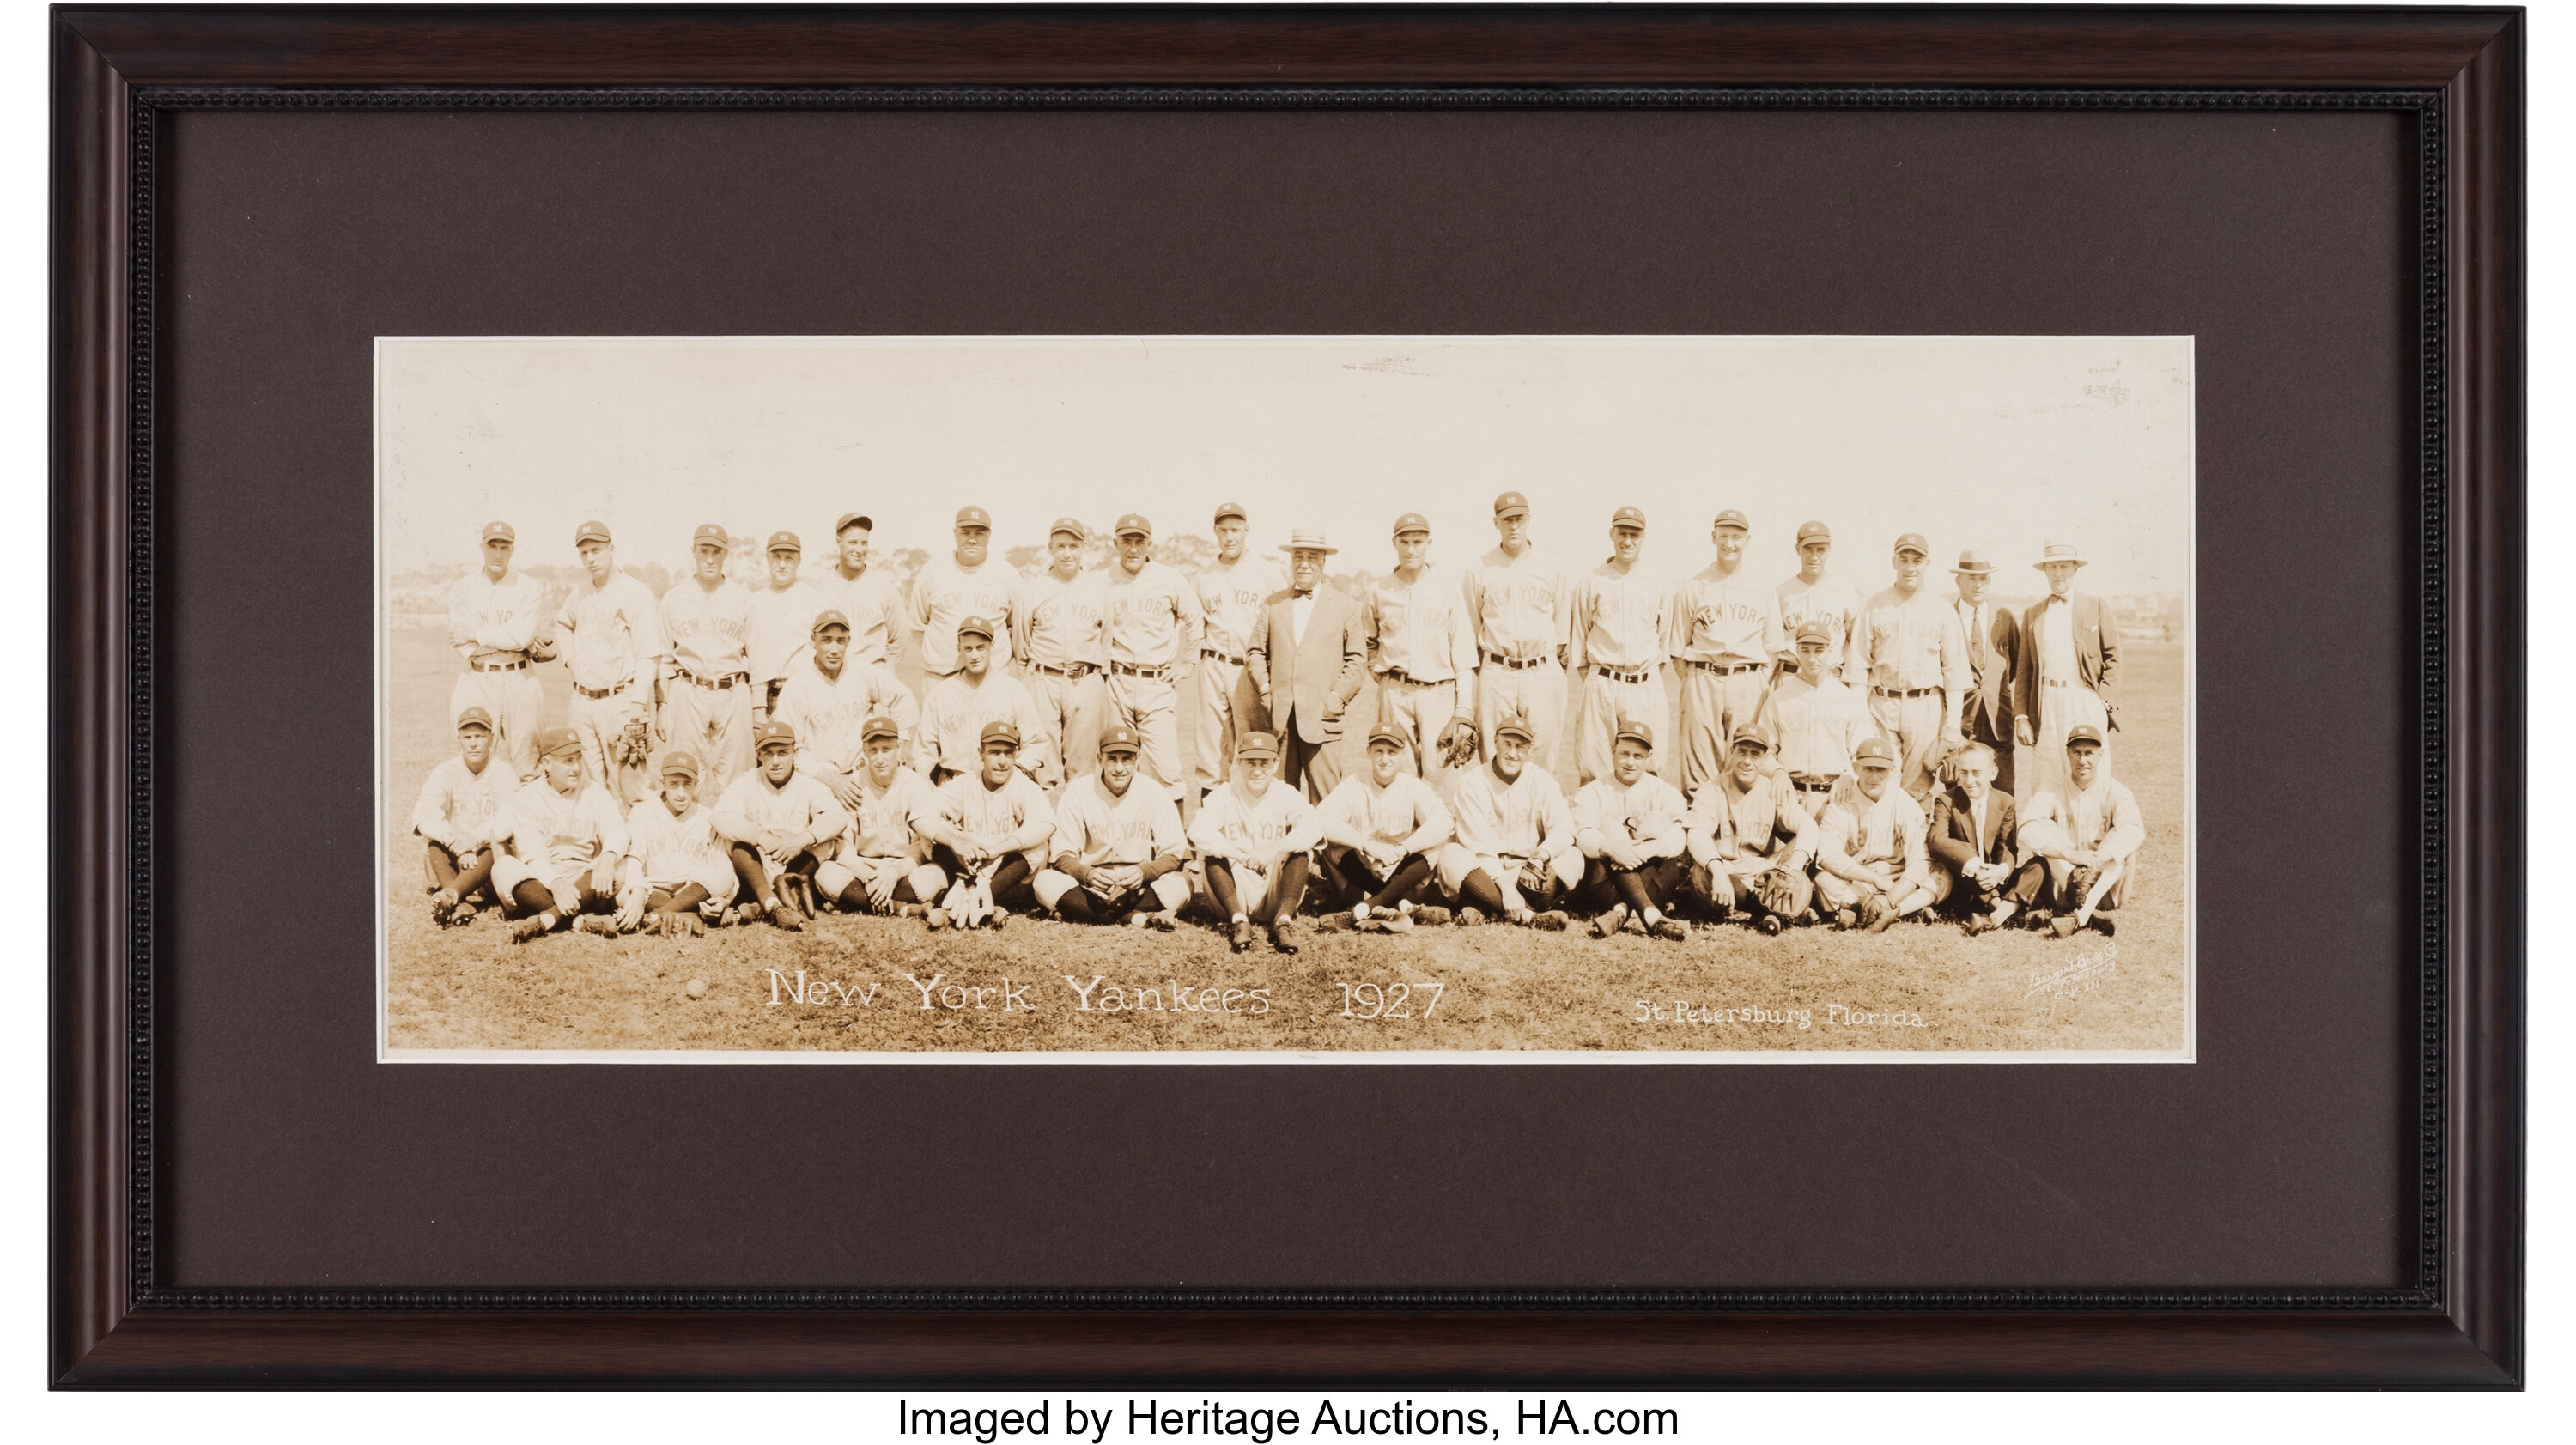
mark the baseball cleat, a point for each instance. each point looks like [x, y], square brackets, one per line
[1877, 915]
[528, 928]
[1611, 922]
[1431, 913]
[1161, 922]
[1668, 928]
[1520, 916]
[1242, 935]
[785, 916]
[1845, 918]
[1000, 917]
[599, 923]
[937, 918]
[463, 915]
[1769, 923]
[1280, 939]
[749, 912]
[2108, 925]
[441, 904]
[1555, 920]
[1470, 916]
[1393, 921]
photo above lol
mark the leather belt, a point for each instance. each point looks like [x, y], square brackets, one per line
[1397, 674]
[1727, 669]
[682, 674]
[1221, 656]
[2059, 682]
[1812, 785]
[1074, 670]
[596, 693]
[1517, 664]
[1129, 669]
[517, 666]
[1615, 675]
[1905, 691]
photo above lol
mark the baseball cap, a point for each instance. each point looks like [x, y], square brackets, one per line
[1256, 745]
[474, 717]
[769, 731]
[590, 532]
[1733, 518]
[1874, 750]
[1628, 517]
[1973, 561]
[998, 732]
[1070, 527]
[974, 517]
[1515, 725]
[558, 742]
[831, 617]
[879, 726]
[848, 520]
[1387, 732]
[680, 765]
[1753, 733]
[1631, 729]
[1121, 740]
[1511, 504]
[1133, 525]
[710, 533]
[1814, 532]
[1813, 631]
[1232, 509]
[499, 532]
[785, 542]
[975, 627]
[1913, 542]
[1413, 522]
[2084, 733]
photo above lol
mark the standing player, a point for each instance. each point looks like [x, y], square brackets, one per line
[2070, 652]
[1910, 648]
[677, 877]
[948, 590]
[1514, 857]
[1871, 866]
[883, 865]
[865, 594]
[1994, 643]
[964, 705]
[1516, 601]
[1812, 596]
[459, 819]
[492, 620]
[1629, 825]
[566, 842]
[1055, 630]
[1118, 847]
[615, 659]
[1727, 641]
[1381, 830]
[1817, 720]
[1151, 625]
[1619, 638]
[1253, 840]
[706, 708]
[1422, 642]
[829, 696]
[778, 827]
[1230, 590]
[2088, 833]
[1750, 841]
[989, 834]
[782, 618]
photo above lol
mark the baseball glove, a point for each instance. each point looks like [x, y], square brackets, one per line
[1778, 893]
[635, 744]
[1459, 745]
[679, 923]
[542, 650]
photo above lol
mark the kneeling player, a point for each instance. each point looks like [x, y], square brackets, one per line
[1629, 825]
[1253, 838]
[1118, 847]
[883, 865]
[1871, 867]
[677, 876]
[778, 825]
[2088, 834]
[1750, 839]
[989, 832]
[1380, 831]
[460, 806]
[566, 843]
[1514, 857]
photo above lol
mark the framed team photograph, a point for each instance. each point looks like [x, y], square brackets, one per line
[1236, 698]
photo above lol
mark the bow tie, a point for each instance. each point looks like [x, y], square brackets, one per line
[2053, 600]
[1309, 592]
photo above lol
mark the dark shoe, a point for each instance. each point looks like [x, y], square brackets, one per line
[2107, 924]
[1553, 921]
[1001, 916]
[1845, 918]
[1279, 938]
[1243, 935]
[1431, 913]
[785, 916]
[441, 905]
[1470, 917]
[1669, 928]
[1611, 922]
[527, 929]
[1977, 923]
[1160, 922]
[463, 915]
[1876, 915]
[599, 923]
[1769, 924]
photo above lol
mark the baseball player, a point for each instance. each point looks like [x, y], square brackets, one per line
[1628, 824]
[1422, 646]
[1381, 830]
[1909, 647]
[2069, 656]
[1118, 847]
[1816, 720]
[989, 834]
[1727, 644]
[706, 679]
[1516, 601]
[867, 595]
[1514, 857]
[883, 865]
[1055, 631]
[459, 819]
[677, 877]
[948, 590]
[782, 618]
[778, 825]
[1151, 626]
[1619, 636]
[2088, 834]
[1230, 590]
[829, 696]
[1972, 837]
[492, 621]
[1993, 635]
[1871, 867]
[963, 704]
[615, 627]
[1812, 596]
[1253, 839]
[1749, 840]
[566, 843]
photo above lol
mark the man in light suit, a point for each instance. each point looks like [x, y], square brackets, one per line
[1308, 656]
[1994, 641]
[2068, 654]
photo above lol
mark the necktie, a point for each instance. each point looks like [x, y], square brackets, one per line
[1301, 596]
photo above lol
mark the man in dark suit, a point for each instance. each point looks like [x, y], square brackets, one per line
[1308, 656]
[1994, 642]
[1973, 826]
[2064, 665]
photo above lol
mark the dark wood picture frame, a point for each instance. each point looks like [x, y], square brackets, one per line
[2457, 73]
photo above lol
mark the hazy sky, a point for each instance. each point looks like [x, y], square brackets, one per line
[1990, 442]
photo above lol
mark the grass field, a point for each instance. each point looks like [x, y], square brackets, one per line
[870, 984]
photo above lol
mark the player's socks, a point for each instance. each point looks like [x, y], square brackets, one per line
[1484, 895]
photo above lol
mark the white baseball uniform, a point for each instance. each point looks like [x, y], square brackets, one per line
[1013, 818]
[883, 846]
[945, 594]
[613, 632]
[1916, 660]
[1814, 729]
[827, 713]
[1738, 833]
[1114, 837]
[1406, 812]
[706, 698]
[1648, 813]
[752, 808]
[1619, 630]
[1422, 643]
[676, 851]
[1254, 836]
[556, 838]
[2103, 819]
[1888, 830]
[1517, 606]
[1230, 596]
[462, 810]
[1151, 626]
[1520, 833]
[2065, 701]
[1726, 635]
[782, 629]
[954, 713]
[1055, 632]
[491, 624]
[874, 604]
[1835, 604]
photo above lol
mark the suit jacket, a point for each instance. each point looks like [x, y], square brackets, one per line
[1954, 838]
[1994, 662]
[2097, 651]
[1323, 668]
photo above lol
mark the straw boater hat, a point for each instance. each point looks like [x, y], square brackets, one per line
[1306, 542]
[2058, 552]
[1974, 562]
